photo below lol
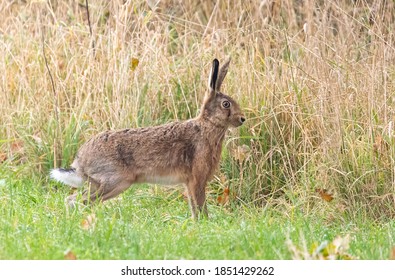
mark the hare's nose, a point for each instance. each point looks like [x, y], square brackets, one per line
[242, 119]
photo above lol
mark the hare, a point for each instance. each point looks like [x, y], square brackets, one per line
[183, 152]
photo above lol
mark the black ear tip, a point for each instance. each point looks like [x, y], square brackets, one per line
[214, 73]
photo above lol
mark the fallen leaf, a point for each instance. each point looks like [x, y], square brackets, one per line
[134, 63]
[61, 65]
[16, 146]
[89, 222]
[69, 255]
[224, 198]
[392, 256]
[3, 156]
[325, 195]
[380, 145]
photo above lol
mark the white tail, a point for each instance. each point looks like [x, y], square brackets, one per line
[67, 176]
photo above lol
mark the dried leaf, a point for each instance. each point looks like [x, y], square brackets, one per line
[134, 63]
[224, 198]
[392, 256]
[3, 157]
[69, 255]
[380, 145]
[325, 195]
[89, 222]
[16, 146]
[61, 65]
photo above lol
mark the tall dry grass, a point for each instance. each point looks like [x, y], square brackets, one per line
[315, 78]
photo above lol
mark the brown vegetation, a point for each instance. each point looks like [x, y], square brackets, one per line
[315, 78]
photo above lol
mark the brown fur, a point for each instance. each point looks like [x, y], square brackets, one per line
[186, 152]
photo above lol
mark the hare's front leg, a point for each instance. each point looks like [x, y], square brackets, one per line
[197, 197]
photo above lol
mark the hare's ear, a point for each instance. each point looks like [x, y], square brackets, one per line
[214, 76]
[221, 75]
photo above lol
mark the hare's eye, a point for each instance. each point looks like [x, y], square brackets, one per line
[226, 104]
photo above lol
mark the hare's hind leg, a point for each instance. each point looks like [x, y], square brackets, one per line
[106, 190]
[115, 189]
[88, 195]
[93, 192]
[100, 191]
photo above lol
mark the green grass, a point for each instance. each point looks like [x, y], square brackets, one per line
[154, 223]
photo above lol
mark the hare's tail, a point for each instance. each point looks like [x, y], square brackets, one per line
[67, 176]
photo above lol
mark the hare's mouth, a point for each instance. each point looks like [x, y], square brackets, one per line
[236, 123]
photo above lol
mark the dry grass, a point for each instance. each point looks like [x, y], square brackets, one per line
[316, 80]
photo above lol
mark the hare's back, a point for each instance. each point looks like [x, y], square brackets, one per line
[163, 147]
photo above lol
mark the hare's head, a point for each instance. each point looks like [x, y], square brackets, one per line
[218, 108]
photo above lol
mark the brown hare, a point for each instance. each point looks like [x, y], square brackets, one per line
[185, 152]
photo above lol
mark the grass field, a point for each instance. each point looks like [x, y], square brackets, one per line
[147, 223]
[310, 175]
